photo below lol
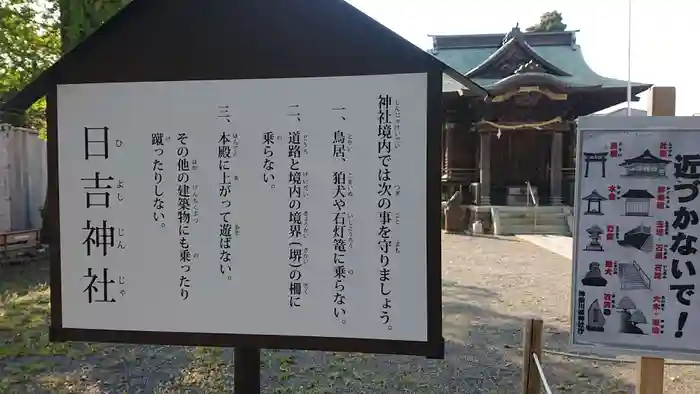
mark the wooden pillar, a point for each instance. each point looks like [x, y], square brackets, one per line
[533, 333]
[555, 168]
[662, 101]
[650, 375]
[450, 149]
[485, 167]
[650, 370]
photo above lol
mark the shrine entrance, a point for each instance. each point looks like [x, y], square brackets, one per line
[512, 154]
[519, 157]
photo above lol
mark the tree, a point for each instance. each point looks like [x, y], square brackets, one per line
[33, 34]
[549, 21]
[29, 43]
[80, 18]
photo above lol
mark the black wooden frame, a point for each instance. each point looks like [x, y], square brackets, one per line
[432, 348]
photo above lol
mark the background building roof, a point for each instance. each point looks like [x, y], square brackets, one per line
[469, 53]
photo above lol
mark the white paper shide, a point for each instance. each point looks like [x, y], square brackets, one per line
[278, 206]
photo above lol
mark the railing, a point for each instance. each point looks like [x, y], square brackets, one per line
[645, 277]
[531, 195]
[460, 173]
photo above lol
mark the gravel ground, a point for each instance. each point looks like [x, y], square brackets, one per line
[490, 286]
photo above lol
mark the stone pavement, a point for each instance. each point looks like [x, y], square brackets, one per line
[561, 245]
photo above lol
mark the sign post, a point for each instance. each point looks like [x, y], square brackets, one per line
[246, 373]
[635, 241]
[650, 370]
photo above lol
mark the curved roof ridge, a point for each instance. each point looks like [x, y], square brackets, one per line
[537, 76]
[525, 47]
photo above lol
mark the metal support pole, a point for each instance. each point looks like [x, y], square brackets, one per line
[246, 365]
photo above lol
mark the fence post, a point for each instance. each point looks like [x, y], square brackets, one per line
[650, 370]
[532, 343]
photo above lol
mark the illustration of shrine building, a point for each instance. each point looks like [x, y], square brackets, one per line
[645, 165]
[524, 133]
[637, 202]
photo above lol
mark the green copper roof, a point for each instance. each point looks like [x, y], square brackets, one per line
[465, 53]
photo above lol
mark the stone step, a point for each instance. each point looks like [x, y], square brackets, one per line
[559, 216]
[530, 221]
[521, 220]
[508, 215]
[553, 209]
[539, 229]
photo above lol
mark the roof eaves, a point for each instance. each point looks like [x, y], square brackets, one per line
[637, 193]
[463, 80]
[562, 82]
[606, 81]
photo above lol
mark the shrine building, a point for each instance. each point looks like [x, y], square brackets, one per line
[516, 148]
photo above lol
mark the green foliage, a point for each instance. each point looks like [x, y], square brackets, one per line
[549, 21]
[34, 33]
[29, 43]
[80, 18]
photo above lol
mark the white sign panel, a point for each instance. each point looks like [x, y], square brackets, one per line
[636, 274]
[291, 207]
